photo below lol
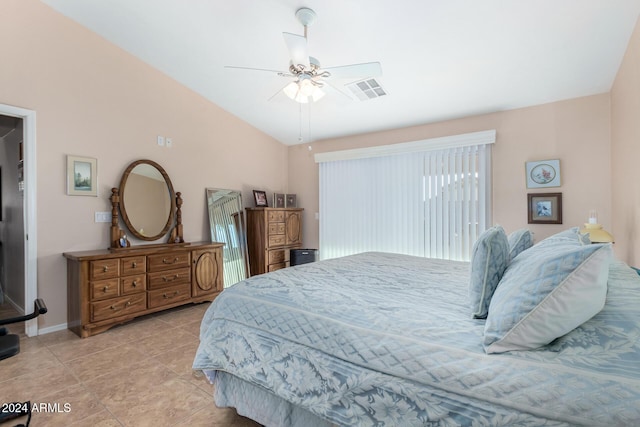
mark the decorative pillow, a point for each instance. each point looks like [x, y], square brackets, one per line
[519, 241]
[489, 259]
[546, 292]
[571, 235]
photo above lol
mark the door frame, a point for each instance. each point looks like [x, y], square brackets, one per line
[29, 205]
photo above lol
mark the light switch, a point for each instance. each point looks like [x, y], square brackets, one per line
[103, 217]
[169, 143]
[160, 141]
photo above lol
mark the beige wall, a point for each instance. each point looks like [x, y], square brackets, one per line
[576, 131]
[93, 99]
[625, 153]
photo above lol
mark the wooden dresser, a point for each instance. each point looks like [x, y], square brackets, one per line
[271, 234]
[106, 288]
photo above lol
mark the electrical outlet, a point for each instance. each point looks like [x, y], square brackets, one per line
[160, 141]
[103, 217]
[169, 143]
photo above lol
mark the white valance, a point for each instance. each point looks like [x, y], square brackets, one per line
[430, 144]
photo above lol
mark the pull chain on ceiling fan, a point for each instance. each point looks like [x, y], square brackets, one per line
[309, 78]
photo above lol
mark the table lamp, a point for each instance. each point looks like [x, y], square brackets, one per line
[596, 233]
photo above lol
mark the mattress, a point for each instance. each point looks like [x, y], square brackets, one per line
[388, 339]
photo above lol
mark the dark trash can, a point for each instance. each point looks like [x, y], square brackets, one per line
[303, 256]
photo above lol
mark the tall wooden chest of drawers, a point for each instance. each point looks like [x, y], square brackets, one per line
[105, 288]
[271, 234]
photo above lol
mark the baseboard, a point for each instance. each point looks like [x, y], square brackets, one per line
[50, 329]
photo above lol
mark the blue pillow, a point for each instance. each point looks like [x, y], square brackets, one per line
[489, 259]
[519, 241]
[546, 292]
[572, 235]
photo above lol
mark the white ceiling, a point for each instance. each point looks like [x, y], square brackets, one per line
[440, 59]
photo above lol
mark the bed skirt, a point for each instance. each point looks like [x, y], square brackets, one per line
[266, 408]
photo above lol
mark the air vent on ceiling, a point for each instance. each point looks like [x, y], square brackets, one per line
[366, 89]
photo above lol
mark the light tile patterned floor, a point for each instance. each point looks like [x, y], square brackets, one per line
[138, 374]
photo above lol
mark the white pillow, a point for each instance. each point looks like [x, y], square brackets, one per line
[546, 292]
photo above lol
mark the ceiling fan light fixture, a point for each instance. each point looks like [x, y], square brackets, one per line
[303, 89]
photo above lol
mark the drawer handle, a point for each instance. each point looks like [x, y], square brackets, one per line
[134, 283]
[166, 279]
[165, 296]
[105, 289]
[166, 261]
[134, 264]
[105, 268]
[127, 304]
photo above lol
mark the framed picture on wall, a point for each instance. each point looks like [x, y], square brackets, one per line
[543, 173]
[544, 208]
[260, 198]
[82, 176]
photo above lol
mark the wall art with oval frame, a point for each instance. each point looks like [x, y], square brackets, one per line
[543, 173]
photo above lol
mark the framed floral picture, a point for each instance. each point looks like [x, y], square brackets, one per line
[278, 200]
[543, 173]
[82, 176]
[290, 201]
[544, 208]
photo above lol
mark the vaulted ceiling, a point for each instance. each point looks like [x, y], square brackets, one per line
[440, 59]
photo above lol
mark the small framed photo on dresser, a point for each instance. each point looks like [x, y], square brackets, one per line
[278, 200]
[290, 201]
[260, 198]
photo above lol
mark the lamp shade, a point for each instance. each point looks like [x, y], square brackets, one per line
[303, 89]
[596, 233]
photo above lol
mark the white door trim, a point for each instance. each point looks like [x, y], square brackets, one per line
[31, 237]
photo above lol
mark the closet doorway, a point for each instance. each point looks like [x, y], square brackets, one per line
[18, 239]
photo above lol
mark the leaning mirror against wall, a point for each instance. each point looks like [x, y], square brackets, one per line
[226, 220]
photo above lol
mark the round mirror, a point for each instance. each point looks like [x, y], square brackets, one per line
[147, 200]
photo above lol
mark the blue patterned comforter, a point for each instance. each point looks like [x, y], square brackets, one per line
[386, 339]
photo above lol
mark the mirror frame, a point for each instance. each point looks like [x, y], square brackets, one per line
[117, 201]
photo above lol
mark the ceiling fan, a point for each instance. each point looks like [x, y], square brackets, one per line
[309, 77]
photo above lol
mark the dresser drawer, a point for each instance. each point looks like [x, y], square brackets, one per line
[133, 265]
[104, 289]
[133, 284]
[168, 261]
[169, 295]
[276, 228]
[118, 307]
[276, 216]
[274, 267]
[104, 269]
[162, 279]
[277, 240]
[276, 256]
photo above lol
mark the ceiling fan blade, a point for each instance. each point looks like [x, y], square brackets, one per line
[341, 97]
[367, 69]
[297, 46]
[252, 69]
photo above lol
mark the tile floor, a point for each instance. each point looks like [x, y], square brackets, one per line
[138, 374]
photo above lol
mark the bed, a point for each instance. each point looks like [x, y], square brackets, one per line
[380, 339]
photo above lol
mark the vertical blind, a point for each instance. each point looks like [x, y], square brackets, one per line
[427, 203]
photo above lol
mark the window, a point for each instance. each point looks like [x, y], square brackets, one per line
[427, 198]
